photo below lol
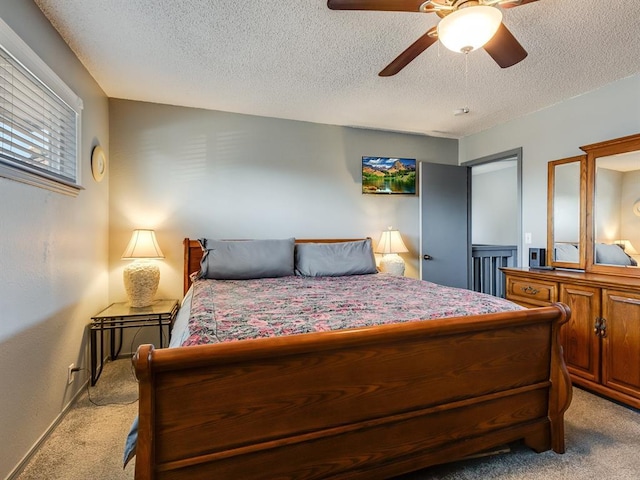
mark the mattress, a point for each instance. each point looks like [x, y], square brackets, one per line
[217, 311]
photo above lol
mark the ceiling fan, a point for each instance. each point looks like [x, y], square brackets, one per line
[458, 17]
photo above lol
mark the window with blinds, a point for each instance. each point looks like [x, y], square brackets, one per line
[39, 129]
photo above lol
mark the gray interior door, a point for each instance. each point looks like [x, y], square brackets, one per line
[445, 224]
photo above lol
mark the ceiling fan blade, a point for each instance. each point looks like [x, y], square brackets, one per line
[410, 53]
[504, 48]
[380, 5]
[515, 3]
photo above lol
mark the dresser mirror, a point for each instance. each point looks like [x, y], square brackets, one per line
[613, 206]
[616, 217]
[566, 212]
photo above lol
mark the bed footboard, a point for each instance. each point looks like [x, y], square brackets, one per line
[360, 403]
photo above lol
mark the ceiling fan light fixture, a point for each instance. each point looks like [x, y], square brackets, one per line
[469, 28]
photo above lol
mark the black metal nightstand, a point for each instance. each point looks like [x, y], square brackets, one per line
[119, 316]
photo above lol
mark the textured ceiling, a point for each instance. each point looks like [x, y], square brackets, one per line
[296, 59]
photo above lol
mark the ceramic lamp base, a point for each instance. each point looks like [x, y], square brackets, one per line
[392, 263]
[141, 281]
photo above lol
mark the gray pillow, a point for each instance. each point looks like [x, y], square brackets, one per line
[566, 252]
[335, 259]
[611, 255]
[246, 259]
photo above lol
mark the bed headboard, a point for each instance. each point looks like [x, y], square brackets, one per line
[193, 254]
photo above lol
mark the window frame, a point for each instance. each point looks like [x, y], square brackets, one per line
[20, 171]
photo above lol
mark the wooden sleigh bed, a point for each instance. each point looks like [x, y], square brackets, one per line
[366, 403]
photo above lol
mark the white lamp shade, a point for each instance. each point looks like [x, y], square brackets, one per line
[469, 28]
[143, 244]
[391, 242]
[627, 247]
[390, 245]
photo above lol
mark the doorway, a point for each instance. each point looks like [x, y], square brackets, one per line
[496, 218]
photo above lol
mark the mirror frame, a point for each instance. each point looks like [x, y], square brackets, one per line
[582, 241]
[594, 151]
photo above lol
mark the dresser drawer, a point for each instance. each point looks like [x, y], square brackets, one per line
[531, 292]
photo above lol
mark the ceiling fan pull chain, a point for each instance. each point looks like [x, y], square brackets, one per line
[464, 110]
[466, 82]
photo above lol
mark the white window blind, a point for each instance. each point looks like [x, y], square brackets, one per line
[39, 130]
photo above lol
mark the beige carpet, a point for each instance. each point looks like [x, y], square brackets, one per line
[603, 442]
[88, 443]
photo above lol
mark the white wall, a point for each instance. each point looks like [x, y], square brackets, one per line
[195, 173]
[630, 229]
[494, 205]
[53, 259]
[606, 214]
[557, 132]
[566, 203]
[614, 217]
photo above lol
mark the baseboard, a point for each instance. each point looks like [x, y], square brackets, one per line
[36, 446]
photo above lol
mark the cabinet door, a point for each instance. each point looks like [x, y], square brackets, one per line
[621, 342]
[580, 343]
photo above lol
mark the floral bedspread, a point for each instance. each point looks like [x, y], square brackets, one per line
[230, 310]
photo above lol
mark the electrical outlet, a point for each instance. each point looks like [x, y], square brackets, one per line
[72, 369]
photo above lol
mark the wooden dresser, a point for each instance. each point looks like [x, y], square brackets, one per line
[601, 341]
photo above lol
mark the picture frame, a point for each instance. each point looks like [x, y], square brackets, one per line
[389, 176]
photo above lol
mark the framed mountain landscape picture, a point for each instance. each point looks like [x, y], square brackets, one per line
[389, 175]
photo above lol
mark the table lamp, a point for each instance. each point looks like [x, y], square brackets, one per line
[142, 276]
[389, 246]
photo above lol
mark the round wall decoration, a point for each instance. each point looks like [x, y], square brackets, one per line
[98, 163]
[636, 208]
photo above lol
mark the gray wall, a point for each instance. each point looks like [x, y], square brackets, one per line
[53, 263]
[557, 132]
[191, 173]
